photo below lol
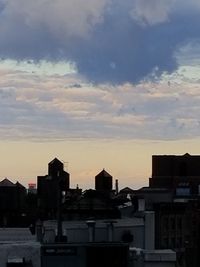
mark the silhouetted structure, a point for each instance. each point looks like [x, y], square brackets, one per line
[103, 182]
[179, 173]
[178, 228]
[12, 203]
[174, 195]
[51, 188]
[91, 204]
[96, 204]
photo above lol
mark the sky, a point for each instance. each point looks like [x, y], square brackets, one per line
[97, 84]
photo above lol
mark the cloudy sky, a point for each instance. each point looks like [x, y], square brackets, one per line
[98, 84]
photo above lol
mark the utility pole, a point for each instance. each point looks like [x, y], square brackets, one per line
[59, 203]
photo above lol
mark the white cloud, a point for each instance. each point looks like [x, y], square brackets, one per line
[36, 107]
[61, 18]
[150, 12]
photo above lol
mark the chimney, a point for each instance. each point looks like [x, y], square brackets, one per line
[91, 230]
[116, 187]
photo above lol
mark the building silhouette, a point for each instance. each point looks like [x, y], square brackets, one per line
[103, 182]
[174, 195]
[181, 174]
[12, 203]
[51, 188]
[104, 227]
[96, 204]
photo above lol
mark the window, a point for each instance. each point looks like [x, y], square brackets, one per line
[172, 242]
[182, 191]
[165, 242]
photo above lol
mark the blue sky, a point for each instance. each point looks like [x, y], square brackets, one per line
[99, 71]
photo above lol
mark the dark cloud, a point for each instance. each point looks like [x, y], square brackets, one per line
[124, 51]
[117, 48]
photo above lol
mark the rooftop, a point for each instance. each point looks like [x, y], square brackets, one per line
[6, 183]
[55, 160]
[103, 173]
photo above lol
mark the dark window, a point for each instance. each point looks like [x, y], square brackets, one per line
[182, 191]
[165, 242]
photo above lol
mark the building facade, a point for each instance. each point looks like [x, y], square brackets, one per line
[181, 174]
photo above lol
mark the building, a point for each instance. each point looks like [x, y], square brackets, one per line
[174, 195]
[135, 234]
[52, 188]
[181, 174]
[178, 228]
[90, 204]
[100, 231]
[12, 203]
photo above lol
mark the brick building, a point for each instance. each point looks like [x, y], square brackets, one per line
[174, 195]
[181, 174]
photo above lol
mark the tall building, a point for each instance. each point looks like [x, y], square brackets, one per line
[51, 188]
[174, 195]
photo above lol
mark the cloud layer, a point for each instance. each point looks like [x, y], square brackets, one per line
[38, 107]
[131, 69]
[108, 40]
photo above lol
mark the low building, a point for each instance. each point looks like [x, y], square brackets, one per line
[12, 203]
[137, 233]
[90, 204]
[116, 230]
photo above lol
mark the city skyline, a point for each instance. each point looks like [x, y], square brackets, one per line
[126, 162]
[102, 84]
